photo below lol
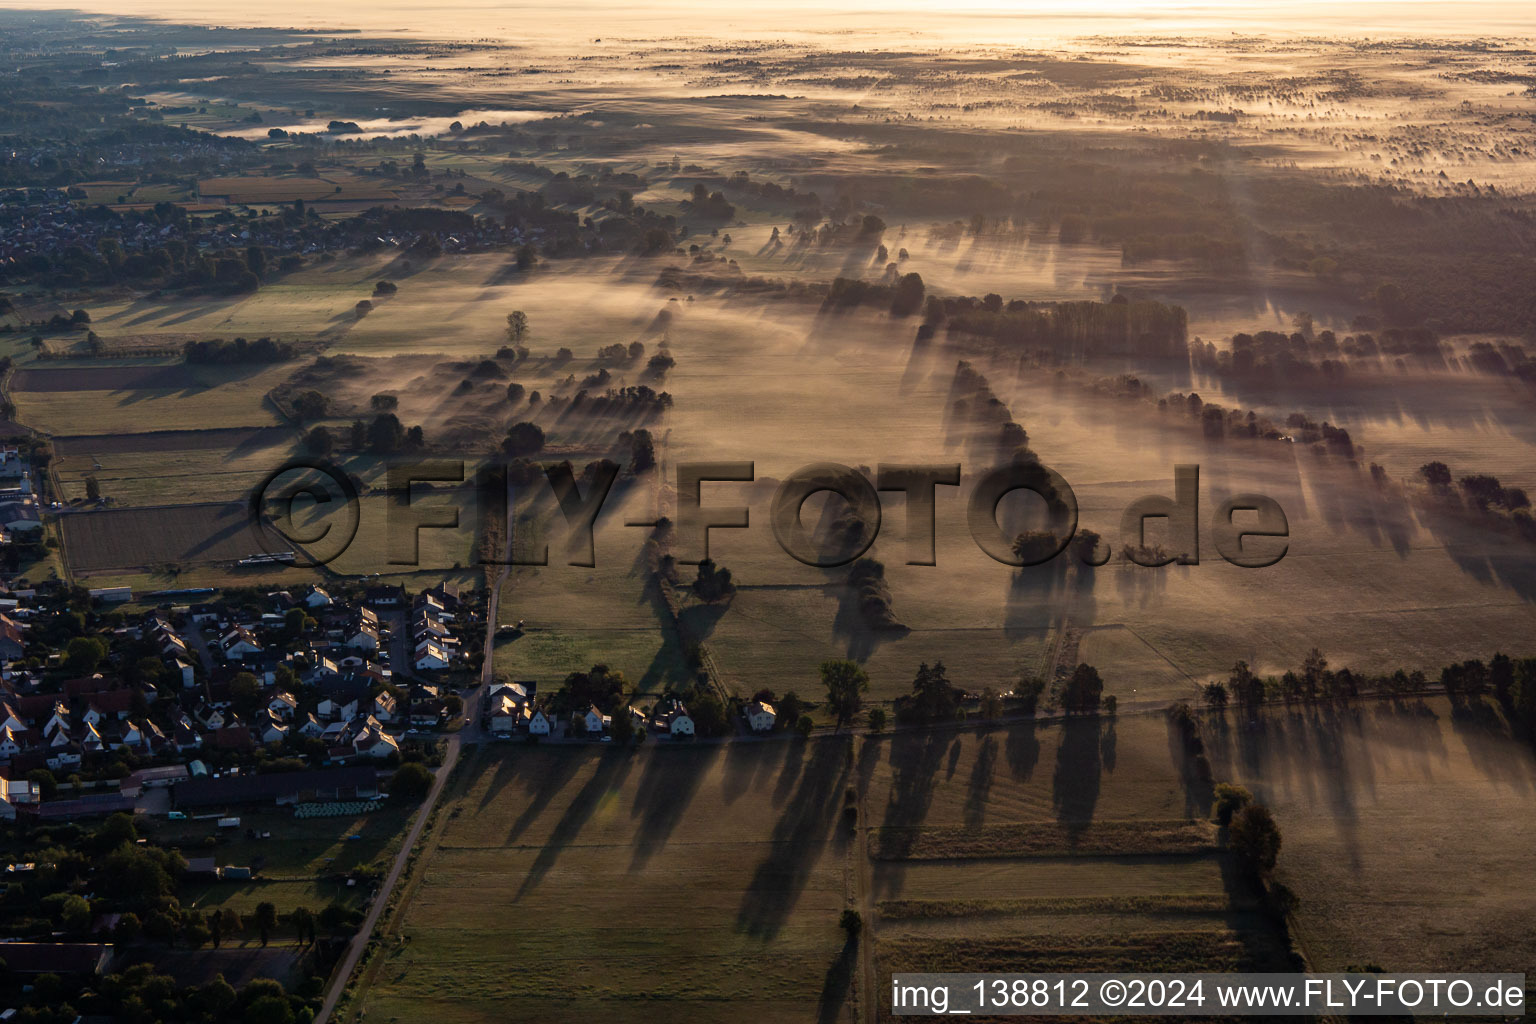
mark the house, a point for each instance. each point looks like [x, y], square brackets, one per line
[334, 709]
[680, 725]
[594, 720]
[430, 657]
[282, 706]
[312, 728]
[316, 597]
[374, 743]
[12, 742]
[504, 714]
[273, 730]
[239, 644]
[17, 793]
[20, 515]
[385, 596]
[384, 706]
[202, 613]
[13, 642]
[428, 713]
[761, 716]
[538, 725]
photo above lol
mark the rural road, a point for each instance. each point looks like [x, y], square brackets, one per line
[470, 733]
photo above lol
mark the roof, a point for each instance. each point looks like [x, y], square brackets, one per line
[85, 806]
[236, 789]
[56, 957]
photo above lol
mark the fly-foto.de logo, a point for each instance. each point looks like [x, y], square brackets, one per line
[1248, 530]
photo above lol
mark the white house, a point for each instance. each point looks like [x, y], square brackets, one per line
[333, 711]
[681, 725]
[594, 720]
[282, 706]
[273, 730]
[761, 716]
[375, 743]
[240, 643]
[430, 656]
[538, 725]
[316, 598]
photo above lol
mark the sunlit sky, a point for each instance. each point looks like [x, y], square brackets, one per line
[996, 21]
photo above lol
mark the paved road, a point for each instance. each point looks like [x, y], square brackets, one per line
[470, 733]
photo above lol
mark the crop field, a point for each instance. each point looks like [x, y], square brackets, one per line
[262, 189]
[666, 877]
[171, 467]
[1417, 806]
[141, 399]
[1068, 847]
[696, 882]
[128, 538]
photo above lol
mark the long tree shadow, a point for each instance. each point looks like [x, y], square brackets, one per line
[667, 787]
[836, 983]
[981, 782]
[1075, 787]
[611, 769]
[1022, 749]
[797, 843]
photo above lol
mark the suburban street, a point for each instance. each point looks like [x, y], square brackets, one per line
[469, 733]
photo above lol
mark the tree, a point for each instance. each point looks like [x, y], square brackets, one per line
[524, 439]
[517, 325]
[1229, 799]
[622, 726]
[1083, 690]
[303, 920]
[83, 654]
[269, 1010]
[384, 403]
[1215, 696]
[908, 297]
[266, 920]
[359, 435]
[933, 698]
[319, 441]
[92, 488]
[846, 682]
[804, 726]
[216, 997]
[1254, 839]
[876, 719]
[126, 931]
[851, 922]
[386, 435]
[1436, 474]
[310, 405]
[1027, 691]
[411, 782]
[991, 704]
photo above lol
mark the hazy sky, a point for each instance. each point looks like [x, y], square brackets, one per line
[971, 20]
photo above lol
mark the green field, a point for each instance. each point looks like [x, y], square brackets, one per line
[304, 864]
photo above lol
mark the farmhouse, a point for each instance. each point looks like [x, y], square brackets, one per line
[760, 716]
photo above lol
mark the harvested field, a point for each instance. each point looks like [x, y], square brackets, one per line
[228, 439]
[1044, 839]
[142, 537]
[159, 376]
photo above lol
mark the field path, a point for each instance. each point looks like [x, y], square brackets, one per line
[470, 733]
